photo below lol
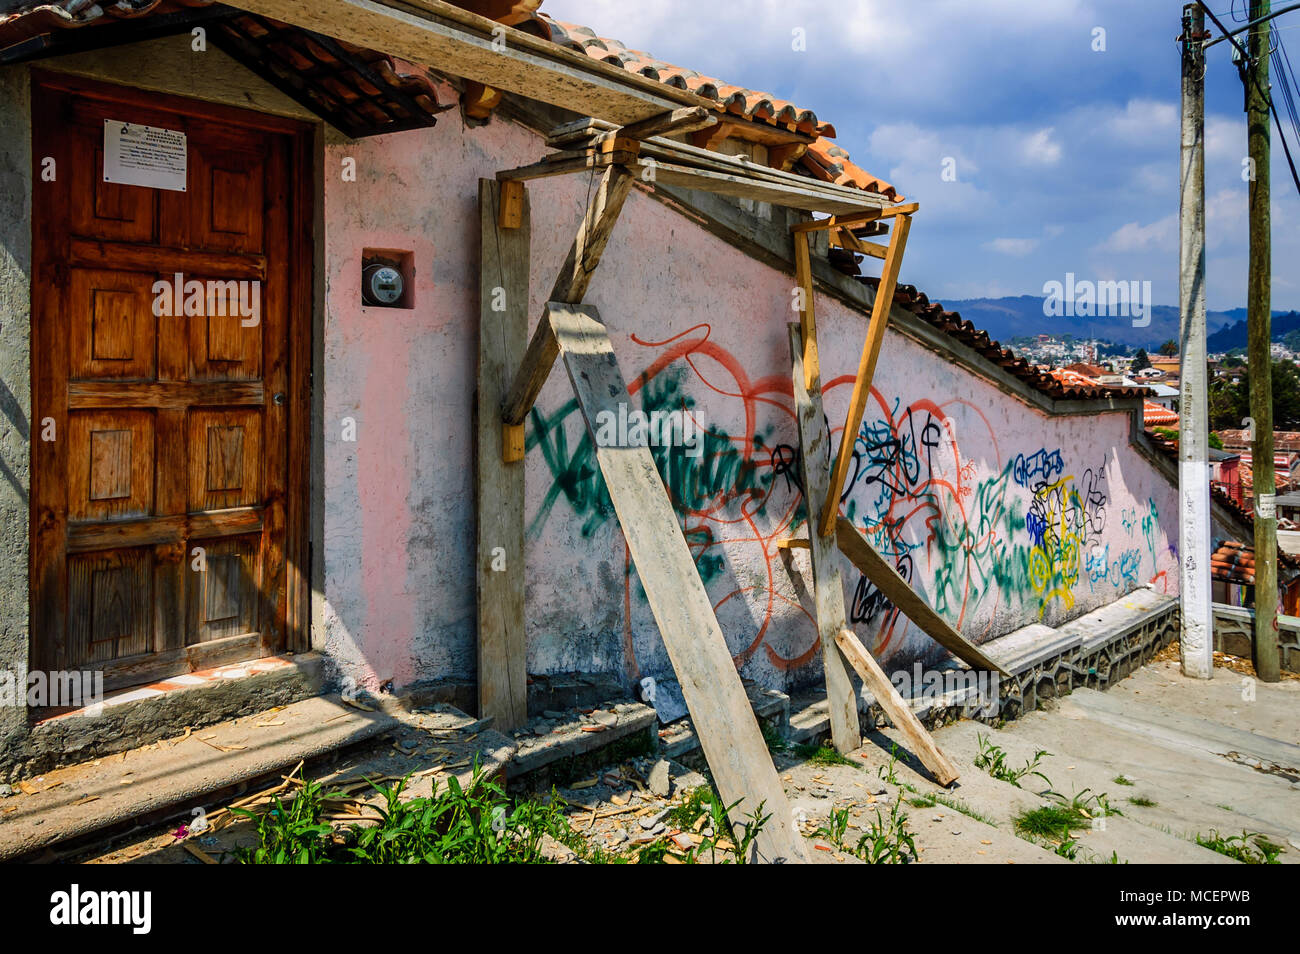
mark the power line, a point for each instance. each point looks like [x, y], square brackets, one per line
[1246, 58]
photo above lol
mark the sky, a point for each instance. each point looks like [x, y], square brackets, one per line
[1060, 119]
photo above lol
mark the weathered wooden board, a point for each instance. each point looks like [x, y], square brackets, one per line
[899, 712]
[720, 710]
[866, 371]
[886, 578]
[460, 43]
[828, 589]
[570, 287]
[745, 185]
[499, 485]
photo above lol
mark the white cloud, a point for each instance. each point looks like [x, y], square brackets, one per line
[1017, 247]
[1039, 147]
[1160, 235]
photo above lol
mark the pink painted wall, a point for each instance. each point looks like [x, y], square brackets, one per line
[1001, 515]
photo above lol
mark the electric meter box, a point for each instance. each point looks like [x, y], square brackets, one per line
[387, 278]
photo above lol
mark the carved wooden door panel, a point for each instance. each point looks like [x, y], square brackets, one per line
[161, 369]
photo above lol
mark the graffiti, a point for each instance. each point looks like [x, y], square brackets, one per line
[868, 602]
[715, 478]
[985, 538]
[1041, 464]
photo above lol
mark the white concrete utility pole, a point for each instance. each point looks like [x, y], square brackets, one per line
[1197, 637]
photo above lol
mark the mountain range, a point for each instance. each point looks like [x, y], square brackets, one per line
[1024, 315]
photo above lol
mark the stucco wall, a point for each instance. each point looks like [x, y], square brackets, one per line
[947, 470]
[15, 380]
[1002, 515]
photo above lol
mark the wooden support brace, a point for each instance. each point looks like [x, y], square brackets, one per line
[844, 238]
[828, 590]
[513, 442]
[866, 371]
[720, 711]
[886, 578]
[499, 475]
[673, 123]
[559, 165]
[896, 707]
[510, 215]
[812, 374]
[855, 218]
[570, 287]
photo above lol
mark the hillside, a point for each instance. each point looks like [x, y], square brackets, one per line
[1007, 318]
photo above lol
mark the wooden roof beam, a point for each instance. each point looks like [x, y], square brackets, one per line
[455, 41]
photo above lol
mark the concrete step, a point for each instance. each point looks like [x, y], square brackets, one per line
[573, 733]
[76, 801]
[1195, 792]
[1181, 732]
[1127, 838]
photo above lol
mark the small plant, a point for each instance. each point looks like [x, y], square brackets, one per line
[836, 826]
[703, 801]
[776, 743]
[1114, 859]
[698, 801]
[887, 841]
[888, 773]
[476, 824]
[1250, 848]
[1050, 821]
[1085, 807]
[1141, 801]
[993, 759]
[821, 755]
[1068, 848]
[957, 805]
[1122, 780]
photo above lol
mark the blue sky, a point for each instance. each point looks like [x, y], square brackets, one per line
[1066, 157]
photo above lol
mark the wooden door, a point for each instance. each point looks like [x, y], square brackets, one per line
[167, 511]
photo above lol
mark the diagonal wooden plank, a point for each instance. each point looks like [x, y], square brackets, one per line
[828, 589]
[866, 371]
[499, 484]
[899, 712]
[571, 285]
[720, 710]
[887, 579]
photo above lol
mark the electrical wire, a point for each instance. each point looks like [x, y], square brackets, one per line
[1268, 98]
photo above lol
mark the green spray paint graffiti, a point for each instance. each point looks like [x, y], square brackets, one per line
[719, 480]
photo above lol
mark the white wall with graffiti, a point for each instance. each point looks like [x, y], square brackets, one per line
[999, 514]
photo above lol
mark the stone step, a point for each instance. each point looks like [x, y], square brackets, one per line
[74, 802]
[1126, 838]
[571, 733]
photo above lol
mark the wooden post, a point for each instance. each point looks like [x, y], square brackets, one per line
[571, 285]
[1259, 355]
[896, 589]
[828, 590]
[720, 710]
[866, 371]
[896, 707]
[499, 474]
[1196, 639]
[812, 375]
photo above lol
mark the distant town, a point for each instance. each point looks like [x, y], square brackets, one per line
[1092, 362]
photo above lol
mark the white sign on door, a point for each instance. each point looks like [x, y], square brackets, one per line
[144, 156]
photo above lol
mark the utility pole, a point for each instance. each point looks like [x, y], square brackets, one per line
[1197, 636]
[1259, 320]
